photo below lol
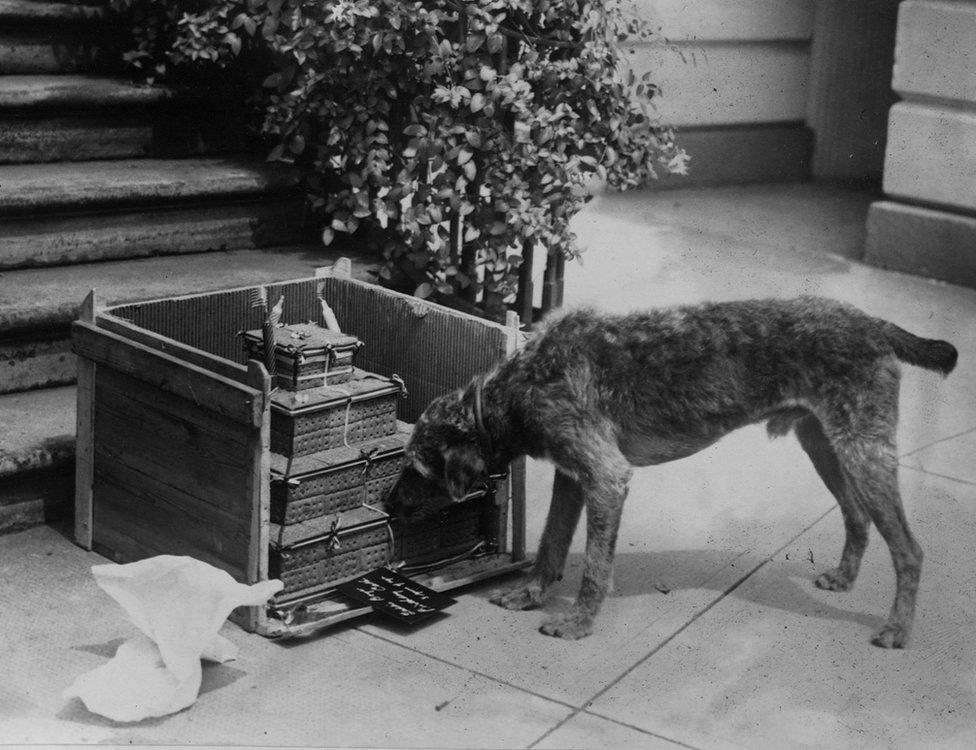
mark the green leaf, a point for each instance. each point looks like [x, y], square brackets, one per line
[277, 152]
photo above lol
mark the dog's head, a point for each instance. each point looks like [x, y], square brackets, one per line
[444, 460]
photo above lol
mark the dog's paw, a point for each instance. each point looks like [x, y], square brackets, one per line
[571, 625]
[522, 597]
[833, 580]
[891, 636]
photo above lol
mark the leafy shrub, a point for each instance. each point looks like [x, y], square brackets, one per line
[447, 134]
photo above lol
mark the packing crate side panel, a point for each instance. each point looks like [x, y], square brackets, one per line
[170, 477]
[214, 321]
[433, 349]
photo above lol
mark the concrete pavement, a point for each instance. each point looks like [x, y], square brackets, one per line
[715, 636]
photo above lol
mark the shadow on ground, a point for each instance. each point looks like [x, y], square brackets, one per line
[787, 585]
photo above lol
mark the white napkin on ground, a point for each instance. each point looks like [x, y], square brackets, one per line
[179, 604]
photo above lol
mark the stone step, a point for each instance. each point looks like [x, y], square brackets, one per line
[41, 37]
[37, 442]
[80, 186]
[28, 11]
[74, 92]
[38, 305]
[36, 457]
[70, 212]
[47, 118]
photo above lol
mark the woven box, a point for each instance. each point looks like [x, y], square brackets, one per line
[329, 550]
[455, 530]
[336, 480]
[319, 419]
[307, 355]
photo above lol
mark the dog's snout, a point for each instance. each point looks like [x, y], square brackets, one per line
[413, 496]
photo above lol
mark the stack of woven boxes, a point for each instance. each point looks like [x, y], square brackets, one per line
[337, 449]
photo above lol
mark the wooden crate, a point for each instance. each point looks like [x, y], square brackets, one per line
[174, 429]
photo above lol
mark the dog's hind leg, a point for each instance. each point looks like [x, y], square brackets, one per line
[865, 449]
[872, 476]
[564, 513]
[856, 520]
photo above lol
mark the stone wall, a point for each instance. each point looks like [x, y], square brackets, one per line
[734, 79]
[927, 224]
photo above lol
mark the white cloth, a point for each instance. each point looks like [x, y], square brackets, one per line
[179, 604]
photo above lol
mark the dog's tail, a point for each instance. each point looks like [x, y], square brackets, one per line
[932, 354]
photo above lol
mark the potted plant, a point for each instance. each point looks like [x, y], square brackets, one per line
[454, 137]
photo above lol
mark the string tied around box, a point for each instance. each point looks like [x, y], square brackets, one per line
[345, 424]
[332, 539]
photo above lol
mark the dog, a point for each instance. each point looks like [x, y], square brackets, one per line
[598, 395]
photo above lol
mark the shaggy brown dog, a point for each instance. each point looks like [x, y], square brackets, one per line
[598, 394]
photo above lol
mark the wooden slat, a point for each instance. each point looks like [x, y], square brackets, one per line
[516, 471]
[206, 389]
[198, 357]
[126, 387]
[128, 534]
[84, 447]
[177, 521]
[173, 449]
[258, 490]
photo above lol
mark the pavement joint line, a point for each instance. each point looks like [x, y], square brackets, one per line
[566, 720]
[477, 673]
[913, 451]
[585, 708]
[920, 470]
[574, 709]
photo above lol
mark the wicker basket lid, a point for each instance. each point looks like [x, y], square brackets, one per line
[284, 468]
[306, 337]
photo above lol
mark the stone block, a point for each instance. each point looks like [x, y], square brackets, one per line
[727, 83]
[25, 51]
[735, 155]
[922, 241]
[35, 362]
[935, 54]
[931, 155]
[117, 235]
[711, 20]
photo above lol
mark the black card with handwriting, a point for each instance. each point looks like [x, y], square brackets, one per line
[390, 593]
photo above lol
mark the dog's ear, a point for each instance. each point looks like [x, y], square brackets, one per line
[463, 466]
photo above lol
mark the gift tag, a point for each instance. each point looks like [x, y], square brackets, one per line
[392, 594]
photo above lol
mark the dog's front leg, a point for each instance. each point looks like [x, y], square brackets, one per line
[604, 500]
[564, 513]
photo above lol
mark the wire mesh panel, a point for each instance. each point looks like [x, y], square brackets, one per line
[433, 349]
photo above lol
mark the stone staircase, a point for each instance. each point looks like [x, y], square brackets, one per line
[137, 191]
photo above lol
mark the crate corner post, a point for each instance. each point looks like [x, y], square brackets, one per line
[517, 470]
[258, 378]
[85, 434]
